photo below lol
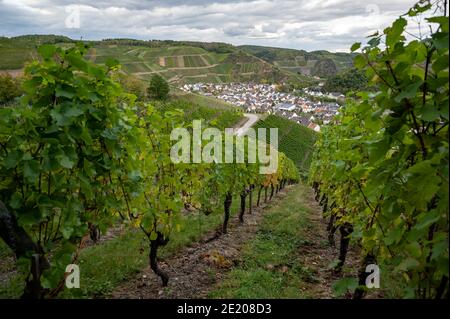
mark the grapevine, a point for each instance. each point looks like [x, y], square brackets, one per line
[381, 169]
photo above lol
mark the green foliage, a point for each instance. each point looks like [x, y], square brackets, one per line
[384, 162]
[131, 84]
[62, 151]
[344, 285]
[198, 109]
[155, 187]
[295, 140]
[158, 88]
[79, 151]
[9, 88]
[350, 80]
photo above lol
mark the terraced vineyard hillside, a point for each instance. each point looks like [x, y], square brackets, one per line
[177, 62]
[295, 140]
[299, 61]
[181, 62]
[188, 64]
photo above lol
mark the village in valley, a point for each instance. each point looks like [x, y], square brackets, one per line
[266, 98]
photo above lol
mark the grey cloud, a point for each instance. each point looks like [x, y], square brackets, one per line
[235, 31]
[301, 24]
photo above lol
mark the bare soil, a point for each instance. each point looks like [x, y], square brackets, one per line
[320, 256]
[14, 73]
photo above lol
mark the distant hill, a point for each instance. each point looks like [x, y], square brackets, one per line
[295, 140]
[14, 52]
[183, 62]
[303, 62]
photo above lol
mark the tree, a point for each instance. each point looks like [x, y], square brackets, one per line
[350, 80]
[158, 88]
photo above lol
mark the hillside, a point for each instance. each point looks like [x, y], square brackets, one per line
[182, 62]
[300, 61]
[14, 52]
[188, 64]
[195, 107]
[295, 140]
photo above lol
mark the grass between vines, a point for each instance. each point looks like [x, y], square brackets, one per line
[270, 267]
[104, 266]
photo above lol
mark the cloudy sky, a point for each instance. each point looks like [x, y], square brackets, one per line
[300, 24]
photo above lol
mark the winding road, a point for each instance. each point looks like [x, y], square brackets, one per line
[251, 120]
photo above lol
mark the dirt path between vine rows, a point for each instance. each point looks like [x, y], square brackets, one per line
[195, 269]
[244, 127]
[320, 257]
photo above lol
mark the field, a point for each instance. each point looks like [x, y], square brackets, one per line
[119, 256]
[295, 140]
[279, 246]
[13, 58]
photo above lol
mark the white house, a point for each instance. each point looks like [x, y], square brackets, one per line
[285, 107]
